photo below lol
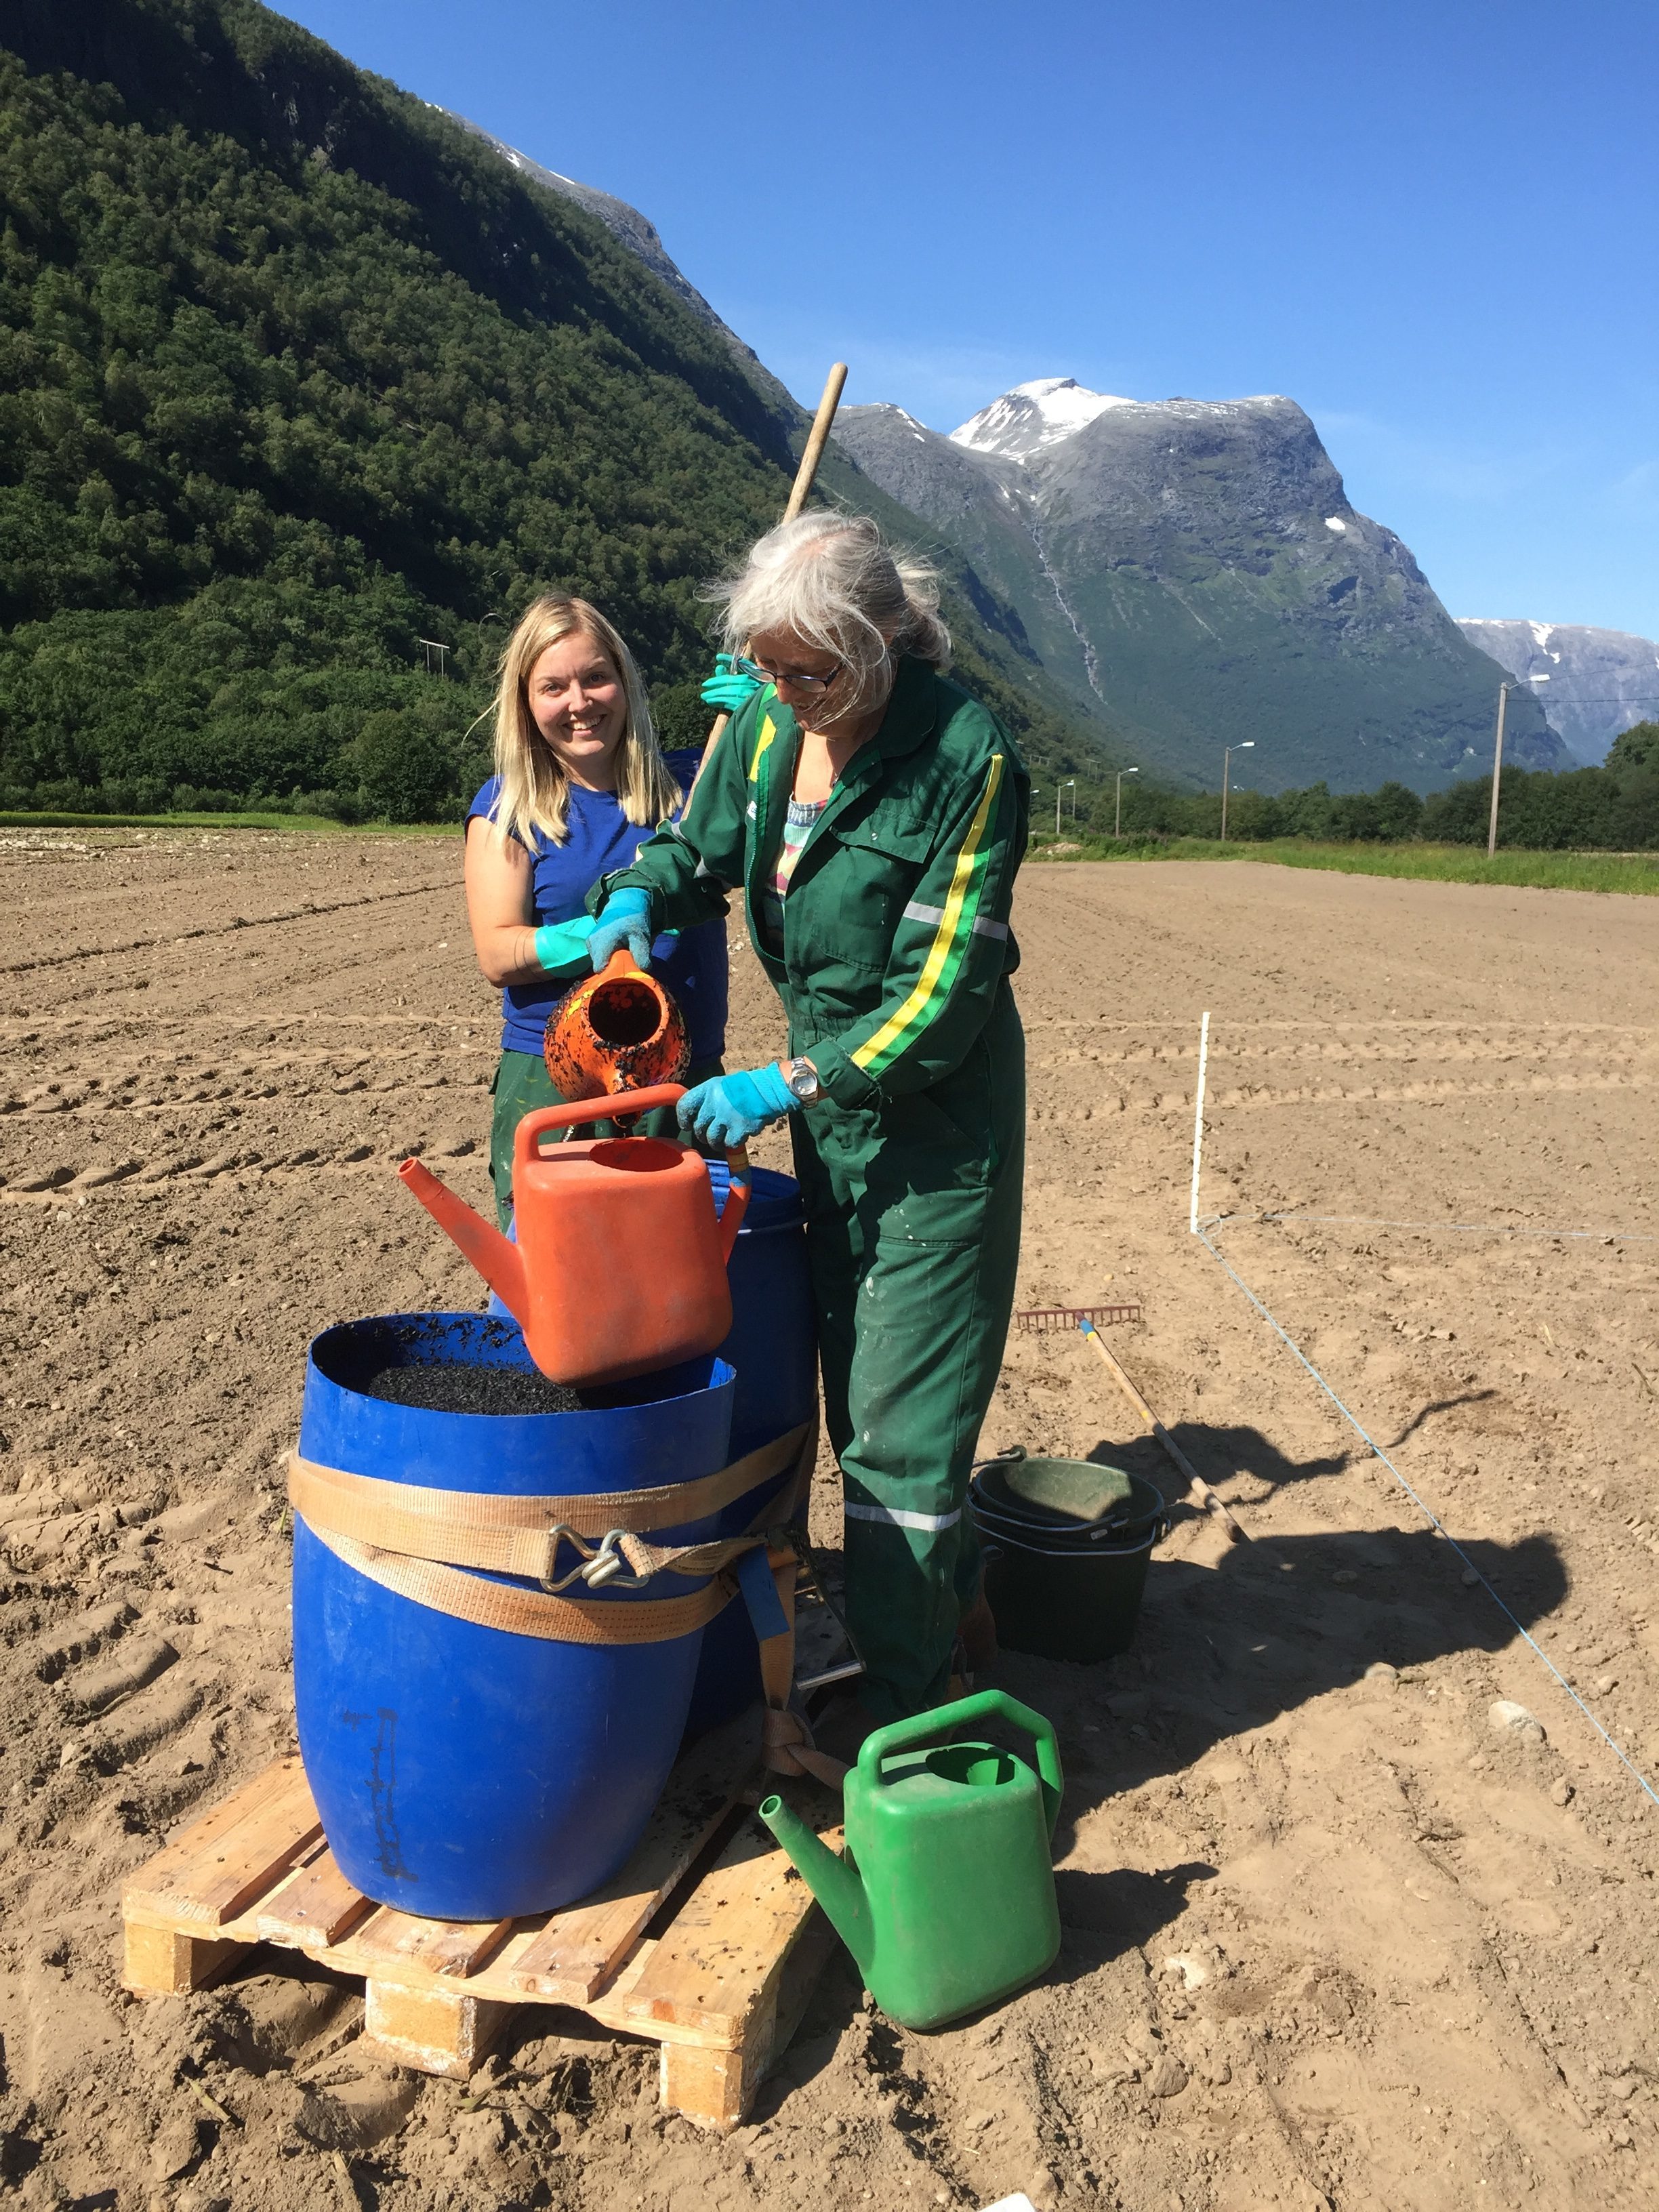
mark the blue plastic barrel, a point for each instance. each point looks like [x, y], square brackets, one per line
[773, 1347]
[463, 1773]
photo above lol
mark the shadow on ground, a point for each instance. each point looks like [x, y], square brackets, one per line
[1220, 1651]
[1221, 1452]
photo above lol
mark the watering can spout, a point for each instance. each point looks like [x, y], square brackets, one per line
[500, 1264]
[832, 1880]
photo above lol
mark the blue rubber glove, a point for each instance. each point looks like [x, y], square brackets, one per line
[726, 687]
[624, 919]
[729, 1109]
[562, 946]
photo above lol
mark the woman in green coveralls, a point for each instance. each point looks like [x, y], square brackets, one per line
[874, 816]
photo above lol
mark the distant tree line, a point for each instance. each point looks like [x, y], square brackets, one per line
[1613, 808]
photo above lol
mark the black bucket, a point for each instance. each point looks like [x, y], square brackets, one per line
[1000, 1509]
[1077, 1602]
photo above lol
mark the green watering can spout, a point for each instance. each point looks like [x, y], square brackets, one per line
[834, 1883]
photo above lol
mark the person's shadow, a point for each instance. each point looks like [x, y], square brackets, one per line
[1225, 1648]
[1220, 1651]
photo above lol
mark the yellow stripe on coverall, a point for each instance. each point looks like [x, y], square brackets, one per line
[945, 936]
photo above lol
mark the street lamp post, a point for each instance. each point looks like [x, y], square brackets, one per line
[1504, 691]
[1227, 752]
[1117, 813]
[1059, 788]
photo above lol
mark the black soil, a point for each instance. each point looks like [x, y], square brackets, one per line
[455, 1386]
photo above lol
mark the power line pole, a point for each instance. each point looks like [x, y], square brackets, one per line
[1227, 753]
[1504, 691]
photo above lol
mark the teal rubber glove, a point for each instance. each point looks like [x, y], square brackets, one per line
[729, 1109]
[727, 689]
[562, 946]
[624, 919]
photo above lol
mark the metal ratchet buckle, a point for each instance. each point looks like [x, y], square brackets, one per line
[607, 1564]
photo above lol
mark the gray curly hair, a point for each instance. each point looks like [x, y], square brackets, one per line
[834, 582]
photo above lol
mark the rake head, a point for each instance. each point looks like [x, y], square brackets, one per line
[1041, 1320]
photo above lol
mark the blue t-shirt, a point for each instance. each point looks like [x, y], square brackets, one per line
[602, 838]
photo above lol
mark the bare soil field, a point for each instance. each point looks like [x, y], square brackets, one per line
[1332, 1940]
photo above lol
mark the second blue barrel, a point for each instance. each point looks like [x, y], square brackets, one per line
[773, 1349]
[465, 1772]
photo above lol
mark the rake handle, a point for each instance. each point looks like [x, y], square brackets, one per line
[817, 439]
[1196, 1485]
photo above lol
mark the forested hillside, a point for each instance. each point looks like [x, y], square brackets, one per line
[295, 374]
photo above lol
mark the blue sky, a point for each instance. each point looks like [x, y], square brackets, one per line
[1437, 225]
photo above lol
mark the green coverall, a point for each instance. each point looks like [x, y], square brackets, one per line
[893, 973]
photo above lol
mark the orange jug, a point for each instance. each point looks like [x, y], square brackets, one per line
[619, 1030]
[620, 1263]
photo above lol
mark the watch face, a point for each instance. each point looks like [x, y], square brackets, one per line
[803, 1081]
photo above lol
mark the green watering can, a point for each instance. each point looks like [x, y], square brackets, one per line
[946, 1895]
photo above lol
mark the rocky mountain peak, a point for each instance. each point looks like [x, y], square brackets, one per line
[1033, 416]
[1192, 569]
[1592, 684]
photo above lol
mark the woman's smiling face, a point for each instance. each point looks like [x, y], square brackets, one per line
[578, 703]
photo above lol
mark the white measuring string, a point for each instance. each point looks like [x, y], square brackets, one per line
[1427, 1511]
[1450, 1227]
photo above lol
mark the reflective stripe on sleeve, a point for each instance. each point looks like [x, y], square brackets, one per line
[917, 912]
[931, 1522]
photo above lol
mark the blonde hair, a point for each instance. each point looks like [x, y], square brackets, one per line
[534, 799]
[833, 581]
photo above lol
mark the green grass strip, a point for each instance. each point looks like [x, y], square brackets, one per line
[1440, 864]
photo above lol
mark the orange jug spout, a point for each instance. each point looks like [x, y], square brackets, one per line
[618, 1030]
[500, 1264]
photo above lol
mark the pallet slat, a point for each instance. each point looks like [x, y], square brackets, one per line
[317, 1905]
[224, 1861]
[578, 1950]
[717, 1965]
[449, 1948]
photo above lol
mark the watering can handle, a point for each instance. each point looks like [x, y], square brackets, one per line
[984, 1705]
[571, 1115]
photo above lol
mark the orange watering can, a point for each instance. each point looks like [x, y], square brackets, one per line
[619, 1030]
[620, 1264]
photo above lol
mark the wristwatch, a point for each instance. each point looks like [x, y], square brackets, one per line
[803, 1081]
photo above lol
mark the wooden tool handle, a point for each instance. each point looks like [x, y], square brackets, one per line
[1196, 1486]
[817, 439]
[812, 454]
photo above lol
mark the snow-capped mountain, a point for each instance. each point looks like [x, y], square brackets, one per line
[1173, 573]
[1196, 574]
[1592, 684]
[1033, 416]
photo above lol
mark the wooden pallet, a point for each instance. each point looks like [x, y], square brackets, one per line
[720, 1987]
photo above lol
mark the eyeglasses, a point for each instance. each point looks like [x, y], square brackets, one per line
[796, 683]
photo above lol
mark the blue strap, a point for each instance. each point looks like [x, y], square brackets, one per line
[760, 1595]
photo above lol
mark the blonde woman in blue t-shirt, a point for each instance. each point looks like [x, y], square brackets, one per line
[580, 784]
